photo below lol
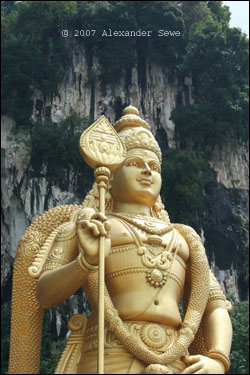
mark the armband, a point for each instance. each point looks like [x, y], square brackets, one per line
[216, 294]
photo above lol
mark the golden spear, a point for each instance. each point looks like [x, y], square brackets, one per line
[103, 150]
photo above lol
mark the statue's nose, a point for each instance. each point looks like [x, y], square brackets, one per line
[146, 169]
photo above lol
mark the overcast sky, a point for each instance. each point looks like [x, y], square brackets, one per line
[239, 14]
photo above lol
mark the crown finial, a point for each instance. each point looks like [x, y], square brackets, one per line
[135, 132]
[130, 119]
[130, 110]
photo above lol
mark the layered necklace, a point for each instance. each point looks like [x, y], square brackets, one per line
[146, 223]
[156, 258]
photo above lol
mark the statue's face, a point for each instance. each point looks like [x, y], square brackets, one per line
[138, 180]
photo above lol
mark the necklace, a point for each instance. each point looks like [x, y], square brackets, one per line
[146, 223]
[158, 260]
[157, 265]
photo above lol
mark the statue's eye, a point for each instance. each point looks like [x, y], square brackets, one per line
[133, 163]
[156, 168]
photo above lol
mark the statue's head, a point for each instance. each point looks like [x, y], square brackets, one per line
[138, 179]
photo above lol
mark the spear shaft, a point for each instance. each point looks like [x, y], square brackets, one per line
[103, 150]
[102, 175]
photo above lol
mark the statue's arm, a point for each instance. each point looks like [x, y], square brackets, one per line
[217, 329]
[217, 334]
[72, 257]
[56, 286]
[62, 275]
[217, 326]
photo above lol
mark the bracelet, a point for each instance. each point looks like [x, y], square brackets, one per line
[221, 356]
[85, 266]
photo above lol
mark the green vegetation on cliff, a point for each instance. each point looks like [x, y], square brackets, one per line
[240, 347]
[215, 56]
[55, 153]
[185, 175]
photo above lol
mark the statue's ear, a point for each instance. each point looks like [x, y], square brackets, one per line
[158, 210]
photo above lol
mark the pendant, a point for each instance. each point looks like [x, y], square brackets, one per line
[156, 277]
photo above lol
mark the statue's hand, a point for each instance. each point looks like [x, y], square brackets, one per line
[88, 231]
[199, 364]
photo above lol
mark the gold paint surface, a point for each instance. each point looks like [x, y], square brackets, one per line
[150, 266]
[100, 146]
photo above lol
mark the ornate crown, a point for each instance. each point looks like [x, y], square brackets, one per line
[135, 132]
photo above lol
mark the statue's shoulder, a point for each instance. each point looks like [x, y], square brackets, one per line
[52, 218]
[115, 223]
[185, 230]
[192, 238]
[41, 229]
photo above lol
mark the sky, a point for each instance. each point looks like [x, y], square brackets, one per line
[239, 14]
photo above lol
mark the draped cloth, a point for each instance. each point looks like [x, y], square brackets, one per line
[117, 360]
[120, 361]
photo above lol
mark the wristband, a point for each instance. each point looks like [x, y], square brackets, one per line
[221, 356]
[85, 266]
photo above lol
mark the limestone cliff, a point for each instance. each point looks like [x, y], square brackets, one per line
[24, 197]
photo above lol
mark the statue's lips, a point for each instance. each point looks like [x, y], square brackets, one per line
[145, 181]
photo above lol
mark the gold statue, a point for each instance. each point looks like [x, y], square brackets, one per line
[150, 266]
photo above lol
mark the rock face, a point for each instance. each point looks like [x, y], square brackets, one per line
[149, 91]
[14, 158]
[232, 165]
[24, 197]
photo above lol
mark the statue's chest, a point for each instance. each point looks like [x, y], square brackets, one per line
[142, 255]
[158, 236]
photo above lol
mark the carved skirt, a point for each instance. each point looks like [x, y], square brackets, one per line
[117, 360]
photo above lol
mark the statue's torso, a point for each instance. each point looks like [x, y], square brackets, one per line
[132, 275]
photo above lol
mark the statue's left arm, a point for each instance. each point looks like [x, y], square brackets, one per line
[217, 325]
[217, 333]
